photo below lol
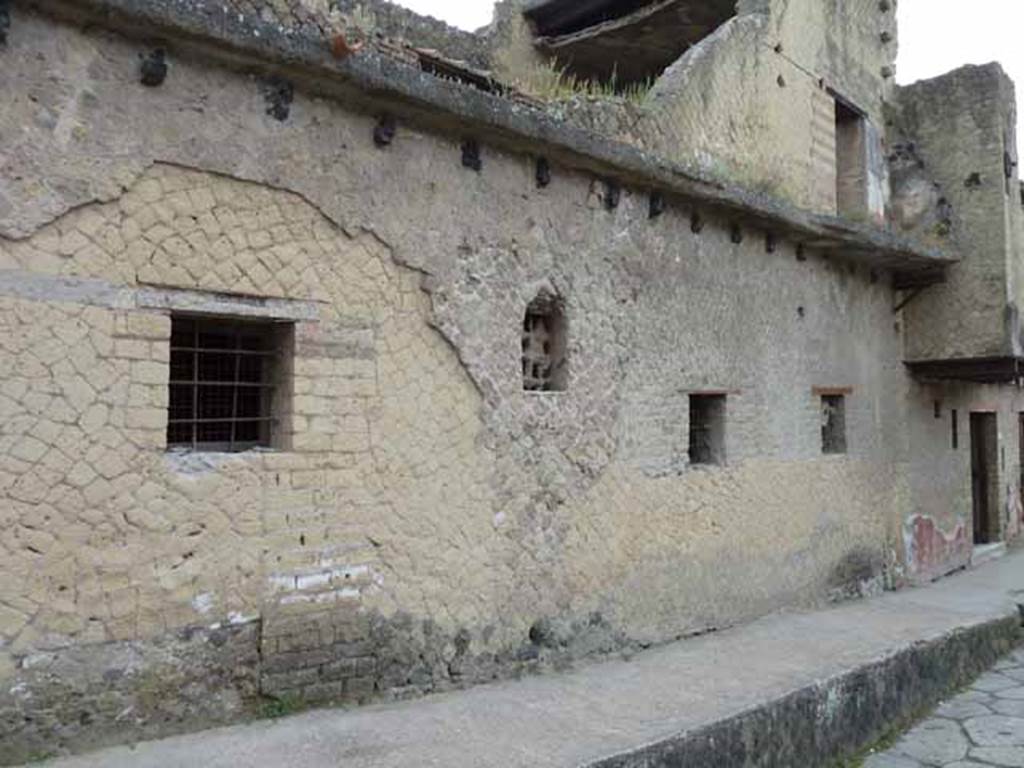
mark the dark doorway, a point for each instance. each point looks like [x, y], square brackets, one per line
[984, 481]
[1020, 454]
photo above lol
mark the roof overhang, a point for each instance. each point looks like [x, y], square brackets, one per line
[628, 43]
[982, 370]
[559, 17]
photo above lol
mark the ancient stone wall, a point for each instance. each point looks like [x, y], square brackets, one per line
[368, 18]
[754, 102]
[424, 522]
[954, 133]
[954, 174]
[938, 532]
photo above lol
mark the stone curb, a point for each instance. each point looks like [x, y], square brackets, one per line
[837, 717]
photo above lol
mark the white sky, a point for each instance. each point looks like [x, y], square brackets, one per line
[465, 14]
[939, 35]
[935, 35]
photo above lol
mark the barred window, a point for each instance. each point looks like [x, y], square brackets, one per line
[833, 424]
[224, 379]
[545, 365]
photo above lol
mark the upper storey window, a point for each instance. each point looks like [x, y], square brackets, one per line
[851, 161]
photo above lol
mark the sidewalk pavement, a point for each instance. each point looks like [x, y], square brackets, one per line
[660, 697]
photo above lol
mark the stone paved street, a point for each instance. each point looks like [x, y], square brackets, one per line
[983, 726]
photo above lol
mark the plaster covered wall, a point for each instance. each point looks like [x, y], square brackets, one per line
[938, 532]
[420, 479]
[953, 149]
[958, 127]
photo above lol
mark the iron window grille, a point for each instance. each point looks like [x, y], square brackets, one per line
[223, 377]
[544, 346]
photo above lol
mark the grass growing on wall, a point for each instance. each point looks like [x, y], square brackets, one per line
[554, 82]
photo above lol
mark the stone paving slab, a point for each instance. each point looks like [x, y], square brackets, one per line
[984, 726]
[698, 702]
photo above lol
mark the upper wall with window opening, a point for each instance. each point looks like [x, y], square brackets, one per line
[725, 85]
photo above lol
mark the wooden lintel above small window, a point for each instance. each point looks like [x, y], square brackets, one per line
[713, 392]
[845, 102]
[827, 391]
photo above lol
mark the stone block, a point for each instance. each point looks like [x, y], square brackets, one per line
[276, 683]
[359, 687]
[323, 693]
[145, 372]
[340, 669]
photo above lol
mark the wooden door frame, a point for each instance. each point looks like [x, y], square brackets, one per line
[984, 435]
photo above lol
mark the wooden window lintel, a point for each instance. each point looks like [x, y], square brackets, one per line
[825, 391]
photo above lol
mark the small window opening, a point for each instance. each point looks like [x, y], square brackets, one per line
[833, 424]
[851, 161]
[545, 364]
[707, 429]
[937, 409]
[225, 383]
[956, 435]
